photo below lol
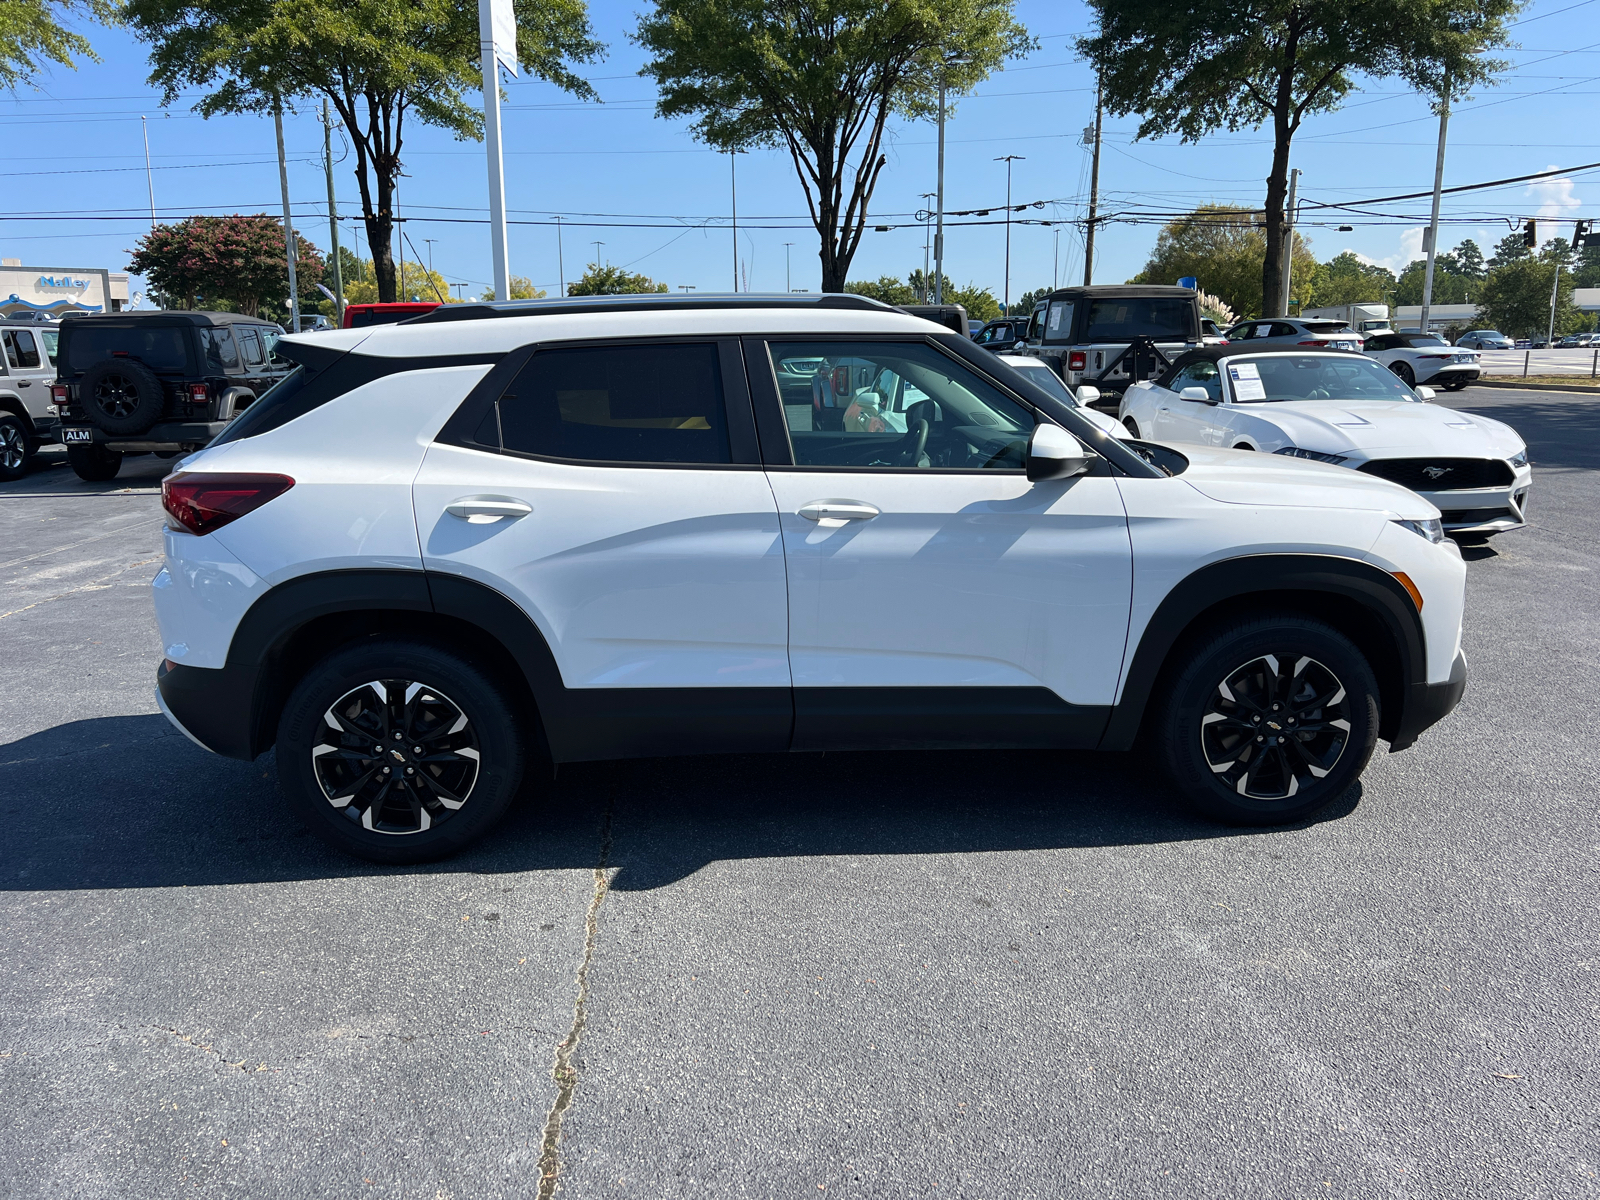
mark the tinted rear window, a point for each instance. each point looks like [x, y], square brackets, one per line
[159, 347]
[1326, 326]
[1120, 318]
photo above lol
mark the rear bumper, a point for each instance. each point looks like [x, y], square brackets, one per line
[1430, 703]
[163, 435]
[211, 707]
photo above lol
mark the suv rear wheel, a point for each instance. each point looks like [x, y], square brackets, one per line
[16, 447]
[399, 751]
[1269, 719]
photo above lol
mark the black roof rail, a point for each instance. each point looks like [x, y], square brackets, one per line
[646, 302]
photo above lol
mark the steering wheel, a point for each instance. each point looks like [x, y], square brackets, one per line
[1319, 393]
[915, 442]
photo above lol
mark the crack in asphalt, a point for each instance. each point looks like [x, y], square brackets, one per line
[564, 1073]
[96, 585]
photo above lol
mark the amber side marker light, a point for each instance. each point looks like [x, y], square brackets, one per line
[1411, 588]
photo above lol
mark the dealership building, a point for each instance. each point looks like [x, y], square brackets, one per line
[52, 291]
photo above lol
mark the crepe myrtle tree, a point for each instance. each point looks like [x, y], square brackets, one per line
[234, 262]
[820, 78]
[1191, 69]
[378, 62]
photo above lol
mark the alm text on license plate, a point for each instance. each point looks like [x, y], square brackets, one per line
[77, 437]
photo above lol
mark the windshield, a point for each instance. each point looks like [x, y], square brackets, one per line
[1123, 317]
[1314, 377]
[1042, 376]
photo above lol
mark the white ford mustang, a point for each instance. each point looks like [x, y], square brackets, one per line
[1345, 409]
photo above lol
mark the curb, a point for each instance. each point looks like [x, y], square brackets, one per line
[1537, 387]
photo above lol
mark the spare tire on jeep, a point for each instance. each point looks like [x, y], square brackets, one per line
[121, 395]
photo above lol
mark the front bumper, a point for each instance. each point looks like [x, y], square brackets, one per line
[1429, 703]
[1484, 510]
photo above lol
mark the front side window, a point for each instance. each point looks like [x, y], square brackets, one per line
[21, 350]
[899, 406]
[1200, 374]
[637, 404]
[1036, 324]
[1286, 377]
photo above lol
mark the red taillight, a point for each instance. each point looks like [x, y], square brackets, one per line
[841, 383]
[58, 393]
[202, 503]
[199, 393]
[1308, 343]
[1077, 360]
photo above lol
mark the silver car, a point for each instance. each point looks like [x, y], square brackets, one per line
[1484, 339]
[1292, 331]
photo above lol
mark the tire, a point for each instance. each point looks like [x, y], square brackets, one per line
[1207, 745]
[94, 464]
[1457, 385]
[1406, 374]
[1132, 426]
[16, 447]
[433, 803]
[122, 396]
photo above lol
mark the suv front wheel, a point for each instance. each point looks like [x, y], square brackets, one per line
[1269, 720]
[399, 751]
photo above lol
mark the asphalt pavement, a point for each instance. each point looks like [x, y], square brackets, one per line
[944, 975]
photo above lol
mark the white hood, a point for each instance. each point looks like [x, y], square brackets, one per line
[1388, 429]
[1247, 477]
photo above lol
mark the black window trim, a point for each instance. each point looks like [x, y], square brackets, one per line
[743, 446]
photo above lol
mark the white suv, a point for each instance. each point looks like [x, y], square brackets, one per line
[444, 550]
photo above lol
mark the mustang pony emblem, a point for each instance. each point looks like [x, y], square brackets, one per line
[1437, 472]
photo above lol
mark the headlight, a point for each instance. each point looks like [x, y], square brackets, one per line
[1520, 459]
[1314, 455]
[1432, 530]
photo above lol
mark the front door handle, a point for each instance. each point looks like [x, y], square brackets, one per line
[24, 383]
[480, 510]
[834, 513]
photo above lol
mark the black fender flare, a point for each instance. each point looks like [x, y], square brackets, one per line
[1382, 600]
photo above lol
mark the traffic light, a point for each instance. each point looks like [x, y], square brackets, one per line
[1581, 236]
[1530, 234]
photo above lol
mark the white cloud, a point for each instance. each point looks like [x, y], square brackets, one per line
[1410, 249]
[1555, 197]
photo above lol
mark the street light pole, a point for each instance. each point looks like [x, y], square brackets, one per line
[927, 244]
[787, 285]
[333, 217]
[1433, 226]
[561, 264]
[1055, 263]
[733, 192]
[1005, 302]
[149, 175]
[288, 221]
[938, 235]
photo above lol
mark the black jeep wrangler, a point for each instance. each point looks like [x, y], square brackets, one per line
[162, 382]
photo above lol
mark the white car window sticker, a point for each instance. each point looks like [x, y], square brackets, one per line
[1246, 381]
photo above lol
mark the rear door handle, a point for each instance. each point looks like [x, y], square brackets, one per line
[834, 513]
[480, 510]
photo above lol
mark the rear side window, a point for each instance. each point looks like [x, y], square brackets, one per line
[252, 347]
[222, 352]
[159, 347]
[51, 340]
[1058, 325]
[22, 352]
[1116, 319]
[639, 404]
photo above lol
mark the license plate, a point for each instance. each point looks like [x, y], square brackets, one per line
[1342, 345]
[77, 437]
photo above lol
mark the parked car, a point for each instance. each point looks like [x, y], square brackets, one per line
[1425, 358]
[1002, 334]
[1039, 373]
[1292, 331]
[1112, 336]
[360, 316]
[27, 369]
[1345, 410]
[315, 322]
[1484, 339]
[1211, 333]
[162, 382]
[508, 574]
[952, 316]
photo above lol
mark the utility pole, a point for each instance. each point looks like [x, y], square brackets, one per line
[733, 191]
[1550, 338]
[429, 243]
[497, 47]
[333, 218]
[149, 175]
[561, 265]
[288, 222]
[1288, 243]
[597, 245]
[1055, 263]
[787, 286]
[1433, 226]
[1094, 191]
[1005, 302]
[927, 244]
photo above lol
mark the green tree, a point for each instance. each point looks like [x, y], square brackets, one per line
[820, 78]
[236, 263]
[377, 62]
[888, 289]
[1469, 261]
[612, 281]
[1345, 279]
[1509, 249]
[32, 36]
[1025, 302]
[1449, 287]
[1223, 249]
[1586, 269]
[1194, 68]
[1515, 299]
[521, 289]
[980, 303]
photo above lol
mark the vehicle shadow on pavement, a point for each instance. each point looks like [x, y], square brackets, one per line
[1559, 433]
[128, 802]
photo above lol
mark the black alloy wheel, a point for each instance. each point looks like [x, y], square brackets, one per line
[121, 396]
[1274, 727]
[399, 750]
[116, 395]
[1406, 374]
[396, 756]
[15, 447]
[1132, 427]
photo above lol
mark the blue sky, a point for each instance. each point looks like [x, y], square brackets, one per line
[74, 150]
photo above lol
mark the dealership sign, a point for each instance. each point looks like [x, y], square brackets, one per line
[53, 290]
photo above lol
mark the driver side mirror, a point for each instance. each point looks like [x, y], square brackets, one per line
[1087, 394]
[1053, 453]
[1198, 394]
